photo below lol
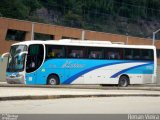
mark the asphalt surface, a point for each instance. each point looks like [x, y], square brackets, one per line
[100, 105]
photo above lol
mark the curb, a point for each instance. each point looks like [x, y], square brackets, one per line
[138, 87]
[73, 96]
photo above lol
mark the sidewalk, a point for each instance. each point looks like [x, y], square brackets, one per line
[153, 87]
[13, 92]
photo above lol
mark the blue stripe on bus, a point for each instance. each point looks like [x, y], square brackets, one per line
[72, 78]
[131, 68]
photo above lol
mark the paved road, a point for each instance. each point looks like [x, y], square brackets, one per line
[104, 105]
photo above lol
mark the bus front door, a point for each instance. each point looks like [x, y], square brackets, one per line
[31, 67]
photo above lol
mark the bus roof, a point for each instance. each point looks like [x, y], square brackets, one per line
[88, 43]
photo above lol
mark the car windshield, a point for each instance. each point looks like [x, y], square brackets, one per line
[15, 60]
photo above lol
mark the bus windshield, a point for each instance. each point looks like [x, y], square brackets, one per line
[15, 61]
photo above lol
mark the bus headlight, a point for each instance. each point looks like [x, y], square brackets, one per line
[19, 75]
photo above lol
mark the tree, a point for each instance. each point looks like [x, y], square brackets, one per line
[13, 8]
[32, 5]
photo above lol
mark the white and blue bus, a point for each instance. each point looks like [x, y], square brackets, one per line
[80, 62]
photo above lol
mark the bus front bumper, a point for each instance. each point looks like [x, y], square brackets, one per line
[15, 80]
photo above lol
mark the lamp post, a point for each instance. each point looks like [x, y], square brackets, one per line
[154, 36]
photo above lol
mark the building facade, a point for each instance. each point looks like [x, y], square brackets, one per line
[12, 31]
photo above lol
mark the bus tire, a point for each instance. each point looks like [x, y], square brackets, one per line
[53, 80]
[123, 81]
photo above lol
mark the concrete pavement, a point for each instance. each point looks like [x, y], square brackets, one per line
[24, 93]
[153, 87]
[3, 65]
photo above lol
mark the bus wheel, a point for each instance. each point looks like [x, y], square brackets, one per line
[123, 81]
[53, 80]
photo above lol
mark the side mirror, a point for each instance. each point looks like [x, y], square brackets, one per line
[24, 52]
[3, 55]
[21, 53]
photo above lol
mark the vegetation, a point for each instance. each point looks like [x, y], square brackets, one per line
[133, 17]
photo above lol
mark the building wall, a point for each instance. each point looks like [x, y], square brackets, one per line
[59, 31]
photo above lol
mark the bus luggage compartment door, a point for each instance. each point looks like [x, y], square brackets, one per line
[31, 78]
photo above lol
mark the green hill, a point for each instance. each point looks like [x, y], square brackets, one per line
[132, 17]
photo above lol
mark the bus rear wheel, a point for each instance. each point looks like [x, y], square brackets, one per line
[52, 80]
[123, 81]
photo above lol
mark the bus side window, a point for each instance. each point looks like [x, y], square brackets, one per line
[128, 54]
[52, 54]
[95, 53]
[72, 54]
[59, 55]
[136, 54]
[113, 53]
[49, 52]
[92, 55]
[147, 54]
[53, 51]
[75, 52]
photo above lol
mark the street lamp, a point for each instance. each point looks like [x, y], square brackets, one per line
[154, 36]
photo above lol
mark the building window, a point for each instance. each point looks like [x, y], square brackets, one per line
[40, 36]
[16, 35]
[64, 37]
